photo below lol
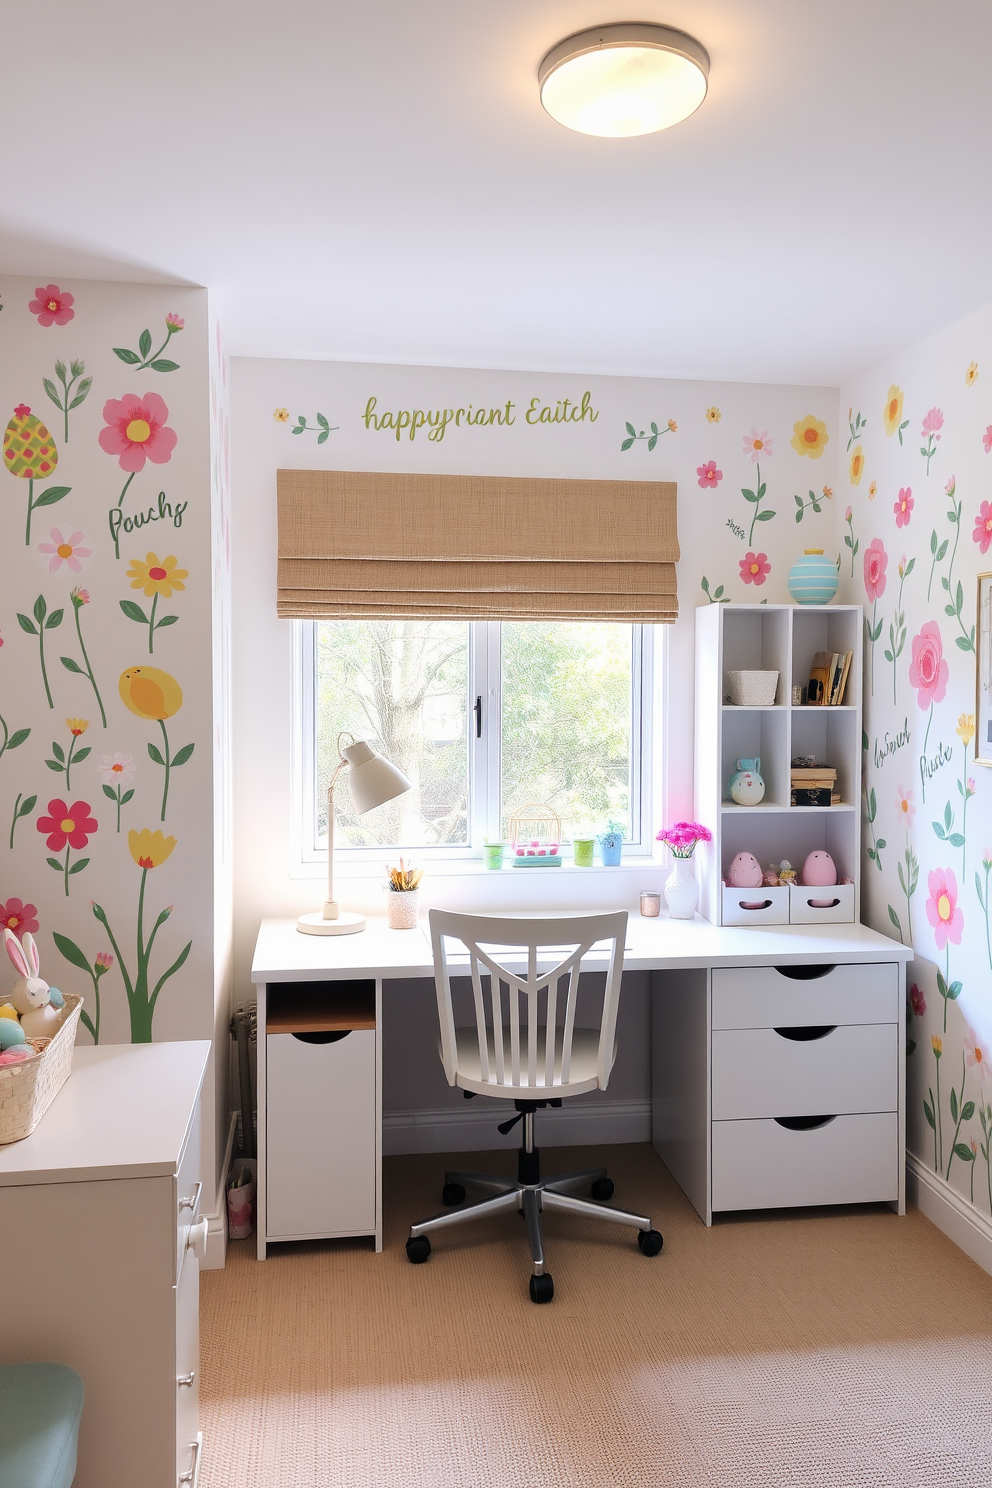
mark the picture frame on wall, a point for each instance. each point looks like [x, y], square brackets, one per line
[983, 672]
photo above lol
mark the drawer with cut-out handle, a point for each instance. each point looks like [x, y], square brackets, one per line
[794, 1161]
[821, 906]
[793, 1070]
[759, 906]
[777, 996]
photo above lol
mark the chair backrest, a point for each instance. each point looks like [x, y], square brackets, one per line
[506, 954]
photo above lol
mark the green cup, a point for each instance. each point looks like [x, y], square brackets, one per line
[582, 847]
[494, 854]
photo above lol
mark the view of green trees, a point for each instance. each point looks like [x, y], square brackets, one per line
[565, 735]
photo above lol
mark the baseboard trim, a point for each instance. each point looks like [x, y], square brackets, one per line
[474, 1128]
[216, 1255]
[959, 1220]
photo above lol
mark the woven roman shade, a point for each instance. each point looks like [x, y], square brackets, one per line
[379, 545]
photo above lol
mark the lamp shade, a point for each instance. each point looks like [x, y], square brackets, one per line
[624, 79]
[373, 780]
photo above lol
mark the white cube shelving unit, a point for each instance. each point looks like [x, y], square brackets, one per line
[782, 638]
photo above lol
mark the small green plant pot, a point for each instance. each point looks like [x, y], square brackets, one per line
[494, 854]
[582, 849]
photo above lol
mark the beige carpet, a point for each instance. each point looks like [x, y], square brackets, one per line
[840, 1349]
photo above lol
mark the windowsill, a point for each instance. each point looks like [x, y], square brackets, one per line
[368, 868]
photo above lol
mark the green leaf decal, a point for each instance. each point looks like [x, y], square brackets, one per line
[71, 951]
[127, 356]
[53, 494]
[164, 366]
[133, 611]
[183, 755]
[145, 343]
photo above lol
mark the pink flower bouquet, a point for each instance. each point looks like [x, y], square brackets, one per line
[683, 836]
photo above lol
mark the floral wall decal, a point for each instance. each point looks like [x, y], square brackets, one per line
[154, 694]
[65, 400]
[117, 771]
[63, 762]
[892, 418]
[101, 964]
[875, 563]
[136, 431]
[65, 549]
[156, 577]
[850, 541]
[708, 476]
[933, 422]
[29, 453]
[755, 568]
[323, 428]
[712, 414]
[632, 435]
[43, 622]
[810, 437]
[144, 358]
[857, 424]
[717, 596]
[79, 598]
[813, 504]
[53, 306]
[67, 828]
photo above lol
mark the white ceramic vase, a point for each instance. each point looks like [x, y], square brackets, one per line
[402, 906]
[681, 890]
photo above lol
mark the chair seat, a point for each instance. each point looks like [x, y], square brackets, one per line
[40, 1409]
[583, 1074]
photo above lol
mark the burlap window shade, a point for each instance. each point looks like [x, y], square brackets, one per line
[375, 545]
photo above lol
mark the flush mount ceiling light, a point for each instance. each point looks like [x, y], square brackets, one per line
[623, 80]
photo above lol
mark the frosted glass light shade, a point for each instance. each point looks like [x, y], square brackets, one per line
[373, 780]
[624, 80]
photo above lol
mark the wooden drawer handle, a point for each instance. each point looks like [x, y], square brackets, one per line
[804, 1123]
[807, 1033]
[804, 973]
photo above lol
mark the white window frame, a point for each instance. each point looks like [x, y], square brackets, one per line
[484, 752]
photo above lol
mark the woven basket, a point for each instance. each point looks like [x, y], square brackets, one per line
[752, 689]
[28, 1089]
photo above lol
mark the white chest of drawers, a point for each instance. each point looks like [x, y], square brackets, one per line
[782, 1086]
[99, 1233]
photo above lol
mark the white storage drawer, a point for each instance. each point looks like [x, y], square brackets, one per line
[782, 997]
[762, 1072]
[189, 1190]
[756, 906]
[320, 1169]
[817, 906]
[187, 1365]
[764, 1165]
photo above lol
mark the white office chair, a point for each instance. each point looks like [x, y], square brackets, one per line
[524, 1046]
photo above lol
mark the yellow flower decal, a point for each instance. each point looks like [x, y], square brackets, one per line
[809, 437]
[157, 576]
[150, 693]
[673, 426]
[857, 465]
[77, 726]
[281, 415]
[713, 415]
[971, 374]
[937, 1044]
[873, 490]
[893, 410]
[828, 492]
[966, 728]
[150, 849]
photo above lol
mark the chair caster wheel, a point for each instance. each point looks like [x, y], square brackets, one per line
[602, 1190]
[542, 1288]
[418, 1248]
[452, 1193]
[650, 1242]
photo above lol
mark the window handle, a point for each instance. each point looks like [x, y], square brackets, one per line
[477, 710]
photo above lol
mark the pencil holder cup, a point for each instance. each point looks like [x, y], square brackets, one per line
[401, 909]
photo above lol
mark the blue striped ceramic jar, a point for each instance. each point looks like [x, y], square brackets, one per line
[813, 579]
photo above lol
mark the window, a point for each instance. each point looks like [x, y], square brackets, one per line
[483, 718]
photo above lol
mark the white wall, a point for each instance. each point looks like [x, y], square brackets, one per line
[266, 882]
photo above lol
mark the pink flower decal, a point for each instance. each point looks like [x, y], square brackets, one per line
[755, 568]
[982, 533]
[903, 508]
[987, 439]
[67, 824]
[928, 671]
[977, 1055]
[933, 422]
[65, 548]
[137, 431]
[174, 322]
[917, 1000]
[876, 562]
[757, 444]
[709, 476]
[18, 918]
[52, 305]
[942, 907]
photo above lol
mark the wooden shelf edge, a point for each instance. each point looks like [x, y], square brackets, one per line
[326, 1023]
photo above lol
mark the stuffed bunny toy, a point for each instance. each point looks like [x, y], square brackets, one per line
[36, 1002]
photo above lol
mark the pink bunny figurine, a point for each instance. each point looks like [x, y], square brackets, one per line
[31, 995]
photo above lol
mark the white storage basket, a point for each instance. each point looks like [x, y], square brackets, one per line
[752, 689]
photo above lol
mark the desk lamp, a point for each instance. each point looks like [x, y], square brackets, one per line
[374, 781]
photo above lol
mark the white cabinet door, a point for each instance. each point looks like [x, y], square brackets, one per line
[320, 1171]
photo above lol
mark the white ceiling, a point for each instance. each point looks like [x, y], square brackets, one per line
[377, 180]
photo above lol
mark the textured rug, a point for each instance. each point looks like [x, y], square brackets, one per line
[812, 1349]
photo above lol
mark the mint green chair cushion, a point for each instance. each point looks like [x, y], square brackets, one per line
[40, 1408]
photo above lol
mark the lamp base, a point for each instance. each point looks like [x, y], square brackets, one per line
[315, 924]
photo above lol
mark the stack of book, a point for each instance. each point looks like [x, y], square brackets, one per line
[828, 678]
[814, 786]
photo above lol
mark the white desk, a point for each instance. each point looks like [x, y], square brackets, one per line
[682, 956]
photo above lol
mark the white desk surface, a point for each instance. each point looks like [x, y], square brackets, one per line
[123, 1113]
[282, 954]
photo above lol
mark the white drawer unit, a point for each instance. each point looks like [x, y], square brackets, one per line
[756, 906]
[838, 1160]
[319, 1108]
[796, 1071]
[809, 906]
[105, 1173]
[777, 996]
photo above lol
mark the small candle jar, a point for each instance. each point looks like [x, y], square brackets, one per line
[650, 904]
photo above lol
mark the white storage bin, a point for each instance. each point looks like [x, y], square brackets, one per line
[764, 1165]
[756, 906]
[821, 906]
[770, 1072]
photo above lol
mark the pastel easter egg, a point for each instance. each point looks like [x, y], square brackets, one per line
[8, 1012]
[11, 1034]
[17, 1055]
[745, 872]
[819, 870]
